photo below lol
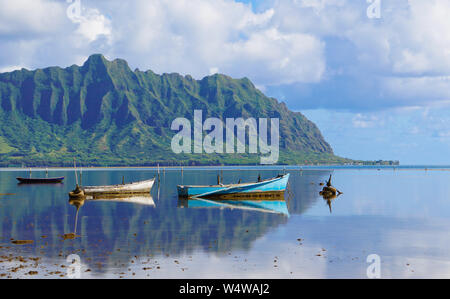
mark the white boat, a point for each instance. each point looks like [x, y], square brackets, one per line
[142, 187]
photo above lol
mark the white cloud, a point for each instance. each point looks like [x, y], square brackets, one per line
[434, 89]
[92, 25]
[273, 57]
[10, 68]
[403, 57]
[26, 18]
[364, 121]
[410, 38]
[213, 70]
[40, 33]
[400, 60]
[191, 36]
[425, 46]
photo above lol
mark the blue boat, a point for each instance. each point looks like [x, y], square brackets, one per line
[263, 189]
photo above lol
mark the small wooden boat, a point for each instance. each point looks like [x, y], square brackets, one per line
[40, 180]
[142, 187]
[271, 187]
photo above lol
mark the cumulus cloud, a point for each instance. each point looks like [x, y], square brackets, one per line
[408, 39]
[402, 59]
[190, 37]
[273, 57]
[432, 88]
[92, 25]
[194, 36]
[301, 48]
[22, 18]
[43, 33]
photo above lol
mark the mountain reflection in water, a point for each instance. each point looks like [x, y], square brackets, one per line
[111, 231]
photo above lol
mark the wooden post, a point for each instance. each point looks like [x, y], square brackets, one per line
[75, 167]
[158, 173]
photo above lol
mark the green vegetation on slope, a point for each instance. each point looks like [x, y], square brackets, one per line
[103, 113]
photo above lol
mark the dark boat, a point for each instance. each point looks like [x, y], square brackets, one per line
[40, 180]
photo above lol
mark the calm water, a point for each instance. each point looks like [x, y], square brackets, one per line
[401, 215]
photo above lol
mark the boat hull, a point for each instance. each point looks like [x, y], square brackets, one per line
[272, 186]
[251, 196]
[40, 180]
[143, 187]
[190, 191]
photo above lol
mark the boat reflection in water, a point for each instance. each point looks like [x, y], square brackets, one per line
[274, 203]
[77, 203]
[146, 200]
[330, 200]
[330, 193]
[142, 199]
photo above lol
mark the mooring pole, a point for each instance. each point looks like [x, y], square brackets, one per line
[158, 173]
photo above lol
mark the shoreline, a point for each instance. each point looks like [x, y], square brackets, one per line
[241, 167]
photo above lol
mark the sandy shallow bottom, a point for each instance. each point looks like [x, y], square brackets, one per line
[271, 256]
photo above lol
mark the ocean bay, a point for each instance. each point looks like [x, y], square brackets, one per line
[400, 214]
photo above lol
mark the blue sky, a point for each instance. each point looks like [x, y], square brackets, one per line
[378, 88]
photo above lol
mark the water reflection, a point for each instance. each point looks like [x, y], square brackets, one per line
[77, 203]
[277, 206]
[329, 199]
[109, 230]
[146, 200]
[329, 193]
[233, 242]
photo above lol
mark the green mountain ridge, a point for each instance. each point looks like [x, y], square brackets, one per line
[105, 114]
